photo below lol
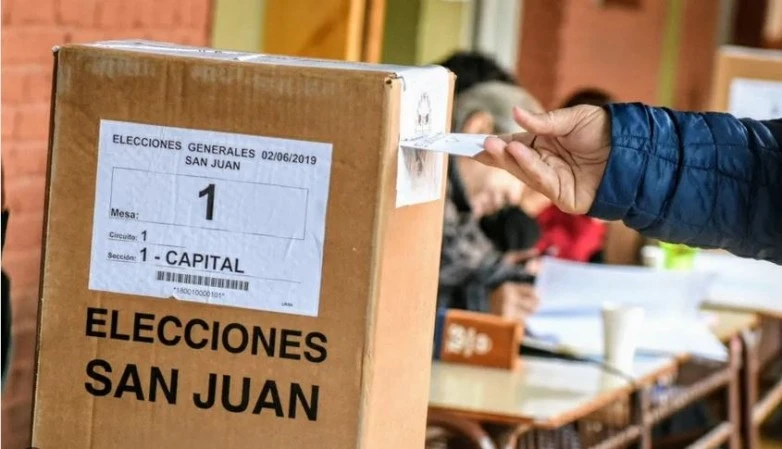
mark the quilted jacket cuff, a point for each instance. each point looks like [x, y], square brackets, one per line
[630, 131]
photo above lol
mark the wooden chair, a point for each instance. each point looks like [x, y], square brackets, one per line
[451, 432]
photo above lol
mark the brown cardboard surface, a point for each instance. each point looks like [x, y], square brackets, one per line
[740, 62]
[379, 269]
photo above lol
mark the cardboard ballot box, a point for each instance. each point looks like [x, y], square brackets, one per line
[748, 82]
[238, 252]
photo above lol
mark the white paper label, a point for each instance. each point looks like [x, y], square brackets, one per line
[458, 144]
[210, 217]
[424, 112]
[756, 99]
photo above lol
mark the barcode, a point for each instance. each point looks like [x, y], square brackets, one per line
[208, 281]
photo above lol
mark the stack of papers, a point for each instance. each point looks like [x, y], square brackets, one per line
[746, 283]
[572, 296]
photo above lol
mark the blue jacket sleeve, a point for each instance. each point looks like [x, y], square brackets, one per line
[702, 179]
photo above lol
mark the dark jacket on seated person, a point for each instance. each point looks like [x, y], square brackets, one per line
[471, 262]
[704, 179]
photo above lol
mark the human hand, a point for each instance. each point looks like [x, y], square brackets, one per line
[562, 155]
[533, 203]
[499, 189]
[514, 301]
[520, 256]
[489, 189]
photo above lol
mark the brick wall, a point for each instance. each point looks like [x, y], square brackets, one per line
[29, 30]
[571, 44]
[615, 48]
[698, 42]
[540, 47]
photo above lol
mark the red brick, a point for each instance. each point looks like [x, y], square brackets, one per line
[25, 306]
[19, 437]
[25, 337]
[26, 54]
[94, 35]
[118, 14]
[8, 122]
[25, 158]
[196, 13]
[176, 36]
[32, 122]
[81, 13]
[25, 194]
[22, 267]
[19, 297]
[24, 231]
[30, 45]
[6, 7]
[38, 12]
[20, 380]
[159, 13]
[13, 85]
[129, 33]
[195, 37]
[28, 233]
[80, 36]
[24, 386]
[23, 295]
[38, 84]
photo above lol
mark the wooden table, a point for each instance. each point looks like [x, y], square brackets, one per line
[749, 286]
[762, 305]
[731, 323]
[728, 327]
[755, 409]
[544, 392]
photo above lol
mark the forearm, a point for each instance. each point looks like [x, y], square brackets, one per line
[706, 180]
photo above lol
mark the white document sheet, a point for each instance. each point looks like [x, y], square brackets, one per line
[571, 286]
[582, 334]
[572, 295]
[744, 283]
[457, 144]
[754, 98]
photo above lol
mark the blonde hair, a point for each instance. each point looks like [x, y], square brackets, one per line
[498, 99]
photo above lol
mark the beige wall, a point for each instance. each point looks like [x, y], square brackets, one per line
[441, 29]
[238, 25]
[424, 31]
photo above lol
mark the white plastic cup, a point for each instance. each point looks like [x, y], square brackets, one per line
[652, 256]
[621, 332]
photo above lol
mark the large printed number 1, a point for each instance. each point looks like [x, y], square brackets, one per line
[209, 192]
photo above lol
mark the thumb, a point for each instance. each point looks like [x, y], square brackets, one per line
[556, 123]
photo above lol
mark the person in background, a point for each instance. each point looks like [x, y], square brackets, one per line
[473, 68]
[501, 226]
[588, 95]
[475, 273]
[489, 233]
